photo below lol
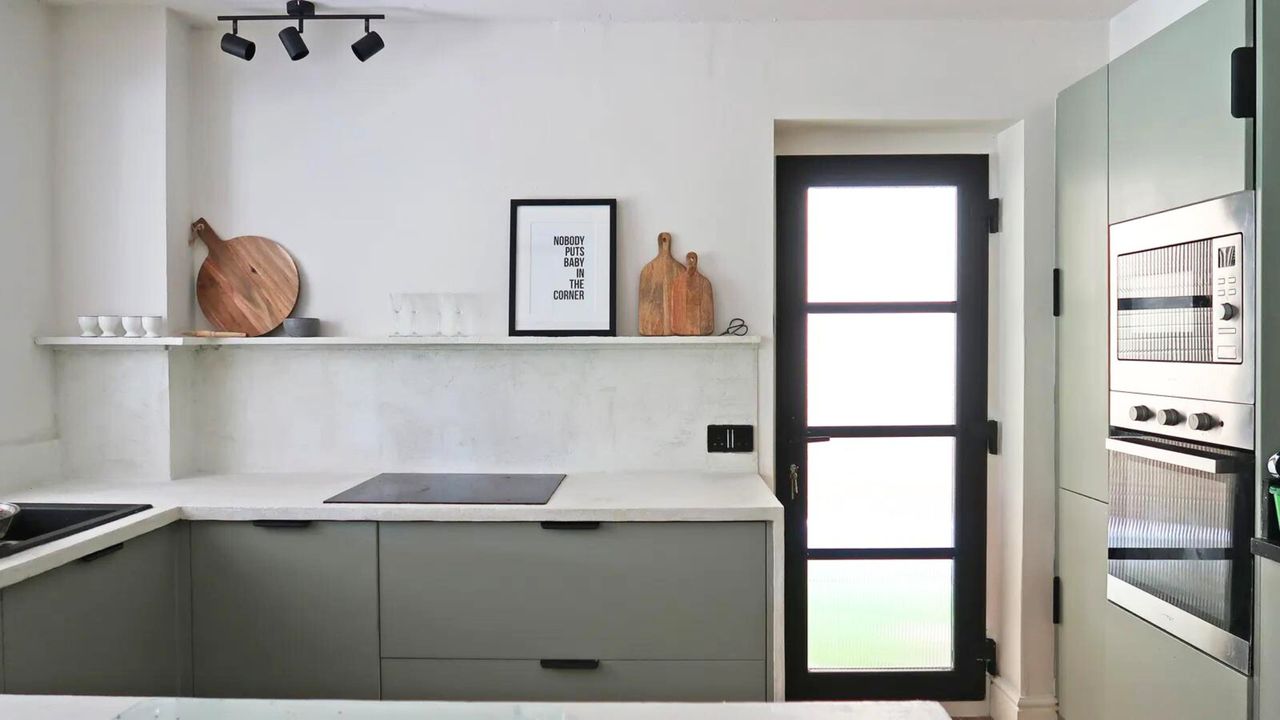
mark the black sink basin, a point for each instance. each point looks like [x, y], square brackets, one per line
[39, 523]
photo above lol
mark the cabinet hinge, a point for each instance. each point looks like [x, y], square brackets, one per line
[1057, 600]
[993, 215]
[989, 658]
[993, 437]
[1057, 292]
[1244, 85]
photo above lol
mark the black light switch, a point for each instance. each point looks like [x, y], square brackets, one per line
[731, 438]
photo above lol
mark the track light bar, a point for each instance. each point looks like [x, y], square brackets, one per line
[299, 11]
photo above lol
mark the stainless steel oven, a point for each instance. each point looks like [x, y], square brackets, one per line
[1181, 446]
[1181, 515]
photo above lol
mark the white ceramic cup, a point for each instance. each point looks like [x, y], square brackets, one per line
[132, 326]
[110, 325]
[89, 326]
[153, 325]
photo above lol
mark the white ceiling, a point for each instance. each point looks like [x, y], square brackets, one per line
[642, 10]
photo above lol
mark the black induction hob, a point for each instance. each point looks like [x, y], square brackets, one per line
[452, 489]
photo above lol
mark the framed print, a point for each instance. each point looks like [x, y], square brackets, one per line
[563, 267]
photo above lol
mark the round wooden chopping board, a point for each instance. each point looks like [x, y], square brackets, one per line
[247, 284]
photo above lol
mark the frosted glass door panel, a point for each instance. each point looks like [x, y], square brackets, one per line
[873, 369]
[882, 244]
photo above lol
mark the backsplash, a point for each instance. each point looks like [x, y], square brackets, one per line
[501, 409]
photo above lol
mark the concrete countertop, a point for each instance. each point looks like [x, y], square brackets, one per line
[101, 708]
[606, 497]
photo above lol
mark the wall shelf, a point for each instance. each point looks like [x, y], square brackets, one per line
[422, 342]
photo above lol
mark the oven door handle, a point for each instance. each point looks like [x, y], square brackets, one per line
[1190, 460]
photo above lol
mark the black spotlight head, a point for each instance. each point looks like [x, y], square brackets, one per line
[242, 48]
[293, 43]
[367, 46]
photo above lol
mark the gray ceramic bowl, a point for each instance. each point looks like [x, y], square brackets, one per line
[8, 511]
[302, 327]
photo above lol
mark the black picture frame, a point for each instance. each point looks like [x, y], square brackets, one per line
[513, 275]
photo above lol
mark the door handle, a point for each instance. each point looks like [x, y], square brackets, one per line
[795, 480]
[282, 523]
[570, 525]
[102, 553]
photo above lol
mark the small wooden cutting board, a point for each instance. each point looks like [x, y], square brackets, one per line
[247, 284]
[691, 302]
[654, 279]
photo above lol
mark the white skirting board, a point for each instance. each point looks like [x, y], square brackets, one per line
[1007, 703]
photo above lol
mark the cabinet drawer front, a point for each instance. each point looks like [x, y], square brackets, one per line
[612, 681]
[633, 591]
[285, 612]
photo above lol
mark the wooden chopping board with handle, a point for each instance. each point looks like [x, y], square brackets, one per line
[691, 303]
[654, 279]
[247, 284]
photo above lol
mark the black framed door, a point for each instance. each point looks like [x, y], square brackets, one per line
[882, 424]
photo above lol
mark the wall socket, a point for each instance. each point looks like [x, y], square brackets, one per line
[731, 438]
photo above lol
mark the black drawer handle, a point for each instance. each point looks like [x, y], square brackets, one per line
[570, 525]
[282, 523]
[102, 553]
[570, 664]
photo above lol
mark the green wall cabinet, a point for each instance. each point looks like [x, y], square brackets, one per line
[1082, 262]
[1173, 139]
[288, 610]
[112, 623]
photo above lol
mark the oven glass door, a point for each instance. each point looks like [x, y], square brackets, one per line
[1178, 533]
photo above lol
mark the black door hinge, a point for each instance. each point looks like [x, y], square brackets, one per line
[1057, 292]
[989, 657]
[1244, 83]
[993, 437]
[1057, 600]
[993, 215]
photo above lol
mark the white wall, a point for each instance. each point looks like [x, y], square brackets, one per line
[1143, 19]
[109, 120]
[396, 174]
[26, 373]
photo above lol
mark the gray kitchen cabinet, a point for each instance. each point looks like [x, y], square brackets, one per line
[1082, 379]
[610, 681]
[1173, 139]
[606, 591]
[1151, 675]
[1082, 568]
[285, 611]
[110, 623]
[1266, 648]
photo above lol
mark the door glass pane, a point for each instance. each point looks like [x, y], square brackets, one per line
[882, 369]
[882, 493]
[882, 244]
[880, 614]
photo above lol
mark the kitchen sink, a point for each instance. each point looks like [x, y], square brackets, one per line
[39, 523]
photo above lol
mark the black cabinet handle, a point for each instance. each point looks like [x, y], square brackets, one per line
[570, 525]
[282, 523]
[102, 553]
[570, 664]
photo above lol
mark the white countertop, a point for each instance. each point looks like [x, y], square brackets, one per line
[606, 497]
[99, 708]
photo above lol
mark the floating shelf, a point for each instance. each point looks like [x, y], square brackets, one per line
[423, 342]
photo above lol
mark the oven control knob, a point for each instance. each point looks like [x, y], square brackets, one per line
[1169, 417]
[1140, 413]
[1202, 421]
[1227, 311]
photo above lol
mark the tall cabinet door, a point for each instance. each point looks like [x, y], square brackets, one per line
[1173, 139]
[1082, 263]
[1082, 568]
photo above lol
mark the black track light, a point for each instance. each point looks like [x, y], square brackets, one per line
[300, 11]
[369, 45]
[233, 44]
[291, 38]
